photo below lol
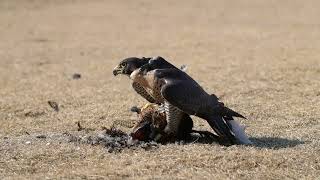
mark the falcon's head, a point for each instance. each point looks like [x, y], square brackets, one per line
[128, 65]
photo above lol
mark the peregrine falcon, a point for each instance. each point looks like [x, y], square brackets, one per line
[183, 95]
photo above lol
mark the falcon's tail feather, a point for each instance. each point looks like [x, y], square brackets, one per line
[231, 113]
[218, 124]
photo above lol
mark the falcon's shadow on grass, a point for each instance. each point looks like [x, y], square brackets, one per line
[259, 142]
[275, 142]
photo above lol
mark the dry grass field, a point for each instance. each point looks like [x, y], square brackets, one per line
[261, 57]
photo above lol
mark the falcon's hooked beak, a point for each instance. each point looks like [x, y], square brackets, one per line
[118, 70]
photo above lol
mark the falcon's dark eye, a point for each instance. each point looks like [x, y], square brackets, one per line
[123, 64]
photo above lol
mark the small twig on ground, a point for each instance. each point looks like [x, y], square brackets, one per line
[80, 128]
[41, 136]
[54, 105]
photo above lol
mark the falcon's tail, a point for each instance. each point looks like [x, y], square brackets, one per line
[219, 125]
[231, 113]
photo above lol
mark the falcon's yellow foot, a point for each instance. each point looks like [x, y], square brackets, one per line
[149, 106]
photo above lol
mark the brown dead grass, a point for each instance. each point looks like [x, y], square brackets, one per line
[262, 57]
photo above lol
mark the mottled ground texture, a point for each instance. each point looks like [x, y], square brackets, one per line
[261, 57]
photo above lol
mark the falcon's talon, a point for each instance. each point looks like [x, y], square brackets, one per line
[158, 137]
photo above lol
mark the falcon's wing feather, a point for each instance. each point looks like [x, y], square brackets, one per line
[180, 94]
[231, 113]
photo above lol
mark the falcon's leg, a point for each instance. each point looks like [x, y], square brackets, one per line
[173, 116]
[140, 90]
[162, 108]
